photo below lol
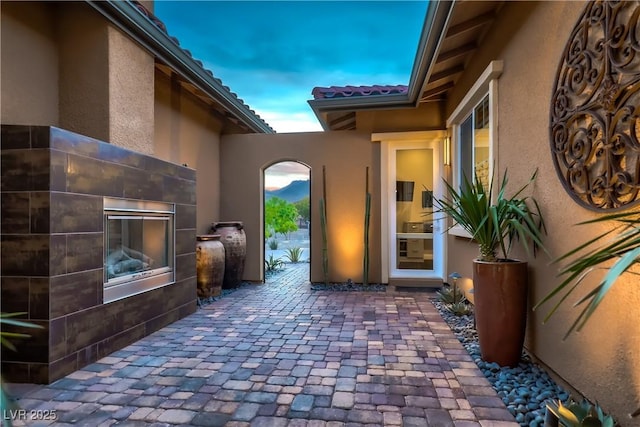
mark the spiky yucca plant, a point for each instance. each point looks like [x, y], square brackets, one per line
[6, 403]
[494, 225]
[612, 253]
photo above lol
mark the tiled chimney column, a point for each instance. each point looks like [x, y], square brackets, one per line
[52, 244]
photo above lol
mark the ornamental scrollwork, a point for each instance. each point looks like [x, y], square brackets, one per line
[595, 108]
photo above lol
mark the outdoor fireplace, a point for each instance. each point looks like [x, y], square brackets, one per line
[98, 247]
[139, 250]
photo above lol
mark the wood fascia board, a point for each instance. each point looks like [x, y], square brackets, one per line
[408, 136]
[431, 38]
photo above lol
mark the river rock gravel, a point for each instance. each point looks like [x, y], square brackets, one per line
[525, 388]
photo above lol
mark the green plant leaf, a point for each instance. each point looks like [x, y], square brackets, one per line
[590, 421]
[619, 246]
[494, 225]
[567, 416]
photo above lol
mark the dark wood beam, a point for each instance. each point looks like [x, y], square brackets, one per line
[336, 121]
[446, 73]
[471, 23]
[427, 94]
[456, 52]
[347, 126]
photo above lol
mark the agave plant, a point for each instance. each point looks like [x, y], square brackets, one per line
[494, 225]
[612, 253]
[272, 264]
[294, 254]
[459, 308]
[450, 295]
[580, 414]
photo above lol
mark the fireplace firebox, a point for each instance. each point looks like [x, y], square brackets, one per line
[139, 247]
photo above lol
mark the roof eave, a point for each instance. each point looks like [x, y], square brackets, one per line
[431, 37]
[323, 106]
[433, 32]
[126, 16]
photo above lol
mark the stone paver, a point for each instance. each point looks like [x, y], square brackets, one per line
[280, 354]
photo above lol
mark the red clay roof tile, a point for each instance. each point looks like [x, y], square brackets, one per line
[349, 91]
[158, 23]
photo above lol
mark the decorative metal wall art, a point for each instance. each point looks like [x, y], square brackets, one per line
[595, 109]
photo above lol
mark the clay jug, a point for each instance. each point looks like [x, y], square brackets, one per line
[210, 256]
[235, 245]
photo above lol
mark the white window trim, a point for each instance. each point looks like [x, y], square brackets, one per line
[486, 84]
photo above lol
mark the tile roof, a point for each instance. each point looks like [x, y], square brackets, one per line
[351, 91]
[158, 23]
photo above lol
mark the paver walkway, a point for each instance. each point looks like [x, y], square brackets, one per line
[280, 354]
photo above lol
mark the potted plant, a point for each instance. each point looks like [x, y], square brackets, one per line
[495, 222]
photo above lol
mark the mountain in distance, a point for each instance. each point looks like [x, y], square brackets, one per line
[296, 190]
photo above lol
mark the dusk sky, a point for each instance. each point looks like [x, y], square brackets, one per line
[272, 54]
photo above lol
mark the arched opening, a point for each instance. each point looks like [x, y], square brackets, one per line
[286, 215]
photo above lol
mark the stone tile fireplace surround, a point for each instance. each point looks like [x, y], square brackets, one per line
[52, 242]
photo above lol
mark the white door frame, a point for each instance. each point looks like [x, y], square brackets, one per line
[390, 143]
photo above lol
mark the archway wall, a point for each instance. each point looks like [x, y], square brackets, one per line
[345, 155]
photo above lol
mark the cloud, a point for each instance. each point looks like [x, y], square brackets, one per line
[295, 121]
[281, 174]
[273, 53]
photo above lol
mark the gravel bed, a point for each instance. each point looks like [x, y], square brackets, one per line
[525, 388]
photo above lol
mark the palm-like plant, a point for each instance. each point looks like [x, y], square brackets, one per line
[494, 225]
[615, 252]
[6, 403]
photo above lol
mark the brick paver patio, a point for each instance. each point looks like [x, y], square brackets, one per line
[280, 354]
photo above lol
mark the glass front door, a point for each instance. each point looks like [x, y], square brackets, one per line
[413, 179]
[414, 209]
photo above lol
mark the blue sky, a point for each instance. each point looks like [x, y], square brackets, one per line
[272, 53]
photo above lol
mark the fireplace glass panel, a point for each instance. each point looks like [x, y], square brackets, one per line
[136, 244]
[139, 247]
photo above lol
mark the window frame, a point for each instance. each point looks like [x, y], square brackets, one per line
[487, 84]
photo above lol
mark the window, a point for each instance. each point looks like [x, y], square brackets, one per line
[473, 144]
[473, 126]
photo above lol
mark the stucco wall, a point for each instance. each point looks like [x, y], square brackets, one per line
[84, 70]
[602, 361]
[346, 155]
[185, 132]
[29, 64]
[427, 116]
[64, 65]
[131, 72]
